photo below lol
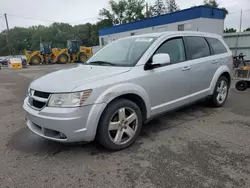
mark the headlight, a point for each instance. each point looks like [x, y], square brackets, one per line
[69, 99]
[30, 92]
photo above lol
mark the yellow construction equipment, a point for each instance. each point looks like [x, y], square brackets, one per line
[60, 55]
[38, 57]
[47, 54]
[75, 52]
[33, 57]
[78, 52]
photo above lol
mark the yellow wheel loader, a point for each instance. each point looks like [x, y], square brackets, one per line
[47, 54]
[78, 52]
[38, 57]
[33, 57]
[60, 56]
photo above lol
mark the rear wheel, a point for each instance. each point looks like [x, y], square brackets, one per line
[220, 92]
[119, 125]
[63, 58]
[35, 60]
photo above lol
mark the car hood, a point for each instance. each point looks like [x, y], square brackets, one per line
[66, 80]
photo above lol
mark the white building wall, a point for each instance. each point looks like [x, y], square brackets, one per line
[200, 24]
[210, 25]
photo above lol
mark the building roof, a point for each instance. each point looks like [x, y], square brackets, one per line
[182, 15]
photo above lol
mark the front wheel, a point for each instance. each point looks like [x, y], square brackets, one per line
[220, 94]
[35, 60]
[63, 59]
[82, 58]
[119, 125]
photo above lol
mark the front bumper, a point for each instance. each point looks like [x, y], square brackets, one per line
[64, 124]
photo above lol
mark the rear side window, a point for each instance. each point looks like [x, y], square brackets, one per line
[197, 47]
[217, 46]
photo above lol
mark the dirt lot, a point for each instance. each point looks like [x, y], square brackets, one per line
[194, 147]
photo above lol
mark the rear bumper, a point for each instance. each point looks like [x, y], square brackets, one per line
[64, 124]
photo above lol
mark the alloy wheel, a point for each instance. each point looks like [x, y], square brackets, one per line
[222, 90]
[123, 125]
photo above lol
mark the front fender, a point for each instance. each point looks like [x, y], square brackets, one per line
[217, 74]
[122, 89]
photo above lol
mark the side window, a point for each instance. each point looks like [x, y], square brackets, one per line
[174, 48]
[197, 47]
[217, 46]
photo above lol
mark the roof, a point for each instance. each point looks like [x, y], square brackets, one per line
[181, 33]
[178, 16]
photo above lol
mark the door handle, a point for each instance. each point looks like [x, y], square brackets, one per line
[186, 68]
[214, 61]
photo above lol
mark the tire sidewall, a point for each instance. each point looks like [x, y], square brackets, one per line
[215, 94]
[102, 131]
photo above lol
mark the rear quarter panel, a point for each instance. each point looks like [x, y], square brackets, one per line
[227, 57]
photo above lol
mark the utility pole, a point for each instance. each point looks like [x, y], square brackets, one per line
[7, 35]
[147, 10]
[237, 38]
[240, 19]
[7, 24]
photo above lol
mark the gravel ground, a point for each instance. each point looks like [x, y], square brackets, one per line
[195, 147]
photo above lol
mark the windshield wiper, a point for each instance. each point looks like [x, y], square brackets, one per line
[102, 63]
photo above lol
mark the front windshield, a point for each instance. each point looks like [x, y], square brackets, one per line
[123, 52]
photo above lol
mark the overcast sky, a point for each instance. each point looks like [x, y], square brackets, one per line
[82, 11]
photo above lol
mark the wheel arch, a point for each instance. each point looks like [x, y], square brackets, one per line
[137, 100]
[222, 71]
[128, 91]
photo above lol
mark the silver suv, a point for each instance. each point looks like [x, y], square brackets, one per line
[125, 84]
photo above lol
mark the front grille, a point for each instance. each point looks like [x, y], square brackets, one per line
[38, 104]
[41, 94]
[36, 99]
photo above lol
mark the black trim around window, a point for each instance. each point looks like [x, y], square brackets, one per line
[213, 51]
[210, 47]
[150, 59]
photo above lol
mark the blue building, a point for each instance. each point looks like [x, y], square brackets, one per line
[200, 18]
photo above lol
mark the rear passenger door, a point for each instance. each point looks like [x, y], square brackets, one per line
[202, 65]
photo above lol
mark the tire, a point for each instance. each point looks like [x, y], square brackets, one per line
[241, 85]
[116, 137]
[215, 100]
[82, 58]
[35, 60]
[63, 59]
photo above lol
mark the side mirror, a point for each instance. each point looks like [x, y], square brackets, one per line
[158, 60]
[161, 59]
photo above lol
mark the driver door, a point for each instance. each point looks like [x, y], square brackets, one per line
[169, 86]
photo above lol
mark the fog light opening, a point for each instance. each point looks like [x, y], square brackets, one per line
[62, 136]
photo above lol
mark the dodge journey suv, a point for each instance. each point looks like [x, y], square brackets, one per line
[128, 82]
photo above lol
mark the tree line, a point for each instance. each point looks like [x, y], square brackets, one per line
[119, 12]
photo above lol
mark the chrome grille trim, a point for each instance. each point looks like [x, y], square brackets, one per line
[32, 98]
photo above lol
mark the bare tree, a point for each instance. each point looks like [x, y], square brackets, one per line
[171, 6]
[159, 8]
